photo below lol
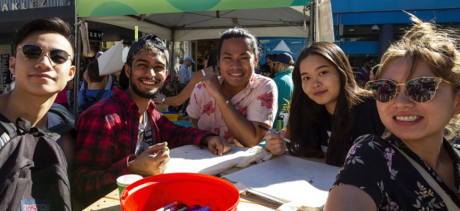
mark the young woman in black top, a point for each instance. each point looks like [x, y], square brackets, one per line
[328, 110]
[414, 168]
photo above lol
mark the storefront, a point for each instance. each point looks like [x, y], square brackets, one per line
[367, 28]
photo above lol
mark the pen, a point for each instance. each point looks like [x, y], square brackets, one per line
[270, 131]
[162, 150]
[167, 206]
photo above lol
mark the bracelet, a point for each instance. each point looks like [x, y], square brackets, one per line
[163, 100]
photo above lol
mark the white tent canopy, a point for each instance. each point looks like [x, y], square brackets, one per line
[264, 22]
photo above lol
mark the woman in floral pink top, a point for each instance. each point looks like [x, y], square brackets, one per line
[234, 104]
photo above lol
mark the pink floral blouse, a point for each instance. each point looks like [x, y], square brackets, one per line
[257, 102]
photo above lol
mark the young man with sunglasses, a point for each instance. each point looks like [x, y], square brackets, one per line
[123, 134]
[42, 67]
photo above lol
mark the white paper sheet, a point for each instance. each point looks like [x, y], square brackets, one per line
[112, 60]
[289, 179]
[192, 159]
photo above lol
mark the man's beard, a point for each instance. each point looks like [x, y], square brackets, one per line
[146, 95]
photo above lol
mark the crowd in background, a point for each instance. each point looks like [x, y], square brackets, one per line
[390, 127]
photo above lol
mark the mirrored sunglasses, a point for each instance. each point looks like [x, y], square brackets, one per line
[419, 90]
[34, 52]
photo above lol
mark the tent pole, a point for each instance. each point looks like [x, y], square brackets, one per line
[316, 22]
[311, 36]
[173, 62]
[76, 78]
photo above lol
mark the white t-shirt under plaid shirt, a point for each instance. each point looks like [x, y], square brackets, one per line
[257, 102]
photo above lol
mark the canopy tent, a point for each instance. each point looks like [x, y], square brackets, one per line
[180, 20]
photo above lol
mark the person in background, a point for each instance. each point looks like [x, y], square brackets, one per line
[271, 62]
[184, 72]
[96, 83]
[110, 83]
[265, 68]
[182, 96]
[119, 135]
[362, 77]
[98, 54]
[235, 104]
[414, 167]
[328, 110]
[62, 98]
[283, 80]
[11, 85]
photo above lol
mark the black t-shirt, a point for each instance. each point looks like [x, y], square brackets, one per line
[377, 167]
[367, 122]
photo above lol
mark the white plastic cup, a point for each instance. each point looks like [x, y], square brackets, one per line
[126, 180]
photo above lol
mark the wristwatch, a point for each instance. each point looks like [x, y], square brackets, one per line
[163, 100]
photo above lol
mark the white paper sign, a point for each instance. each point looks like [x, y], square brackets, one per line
[112, 60]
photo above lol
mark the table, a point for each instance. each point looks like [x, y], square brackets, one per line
[111, 202]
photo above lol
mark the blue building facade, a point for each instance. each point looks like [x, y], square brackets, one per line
[366, 28]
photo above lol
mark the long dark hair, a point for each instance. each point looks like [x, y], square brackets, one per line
[212, 60]
[306, 116]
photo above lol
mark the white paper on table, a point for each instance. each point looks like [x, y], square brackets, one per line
[112, 60]
[289, 179]
[192, 159]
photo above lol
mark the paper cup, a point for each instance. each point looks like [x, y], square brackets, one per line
[126, 180]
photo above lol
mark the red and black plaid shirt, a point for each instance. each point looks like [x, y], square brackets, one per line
[106, 142]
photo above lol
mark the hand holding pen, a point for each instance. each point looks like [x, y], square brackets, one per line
[275, 142]
[152, 161]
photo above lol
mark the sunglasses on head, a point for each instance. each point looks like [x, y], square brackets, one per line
[419, 90]
[33, 52]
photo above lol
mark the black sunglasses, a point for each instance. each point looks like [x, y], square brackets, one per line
[419, 90]
[34, 52]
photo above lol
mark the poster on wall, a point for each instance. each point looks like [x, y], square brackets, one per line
[277, 45]
[5, 70]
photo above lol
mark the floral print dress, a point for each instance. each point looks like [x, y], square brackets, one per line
[257, 102]
[375, 166]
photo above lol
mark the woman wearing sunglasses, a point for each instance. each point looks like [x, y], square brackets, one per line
[414, 167]
[328, 109]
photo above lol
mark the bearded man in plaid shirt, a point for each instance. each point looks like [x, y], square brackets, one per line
[121, 134]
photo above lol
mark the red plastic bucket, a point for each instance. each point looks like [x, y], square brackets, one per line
[152, 193]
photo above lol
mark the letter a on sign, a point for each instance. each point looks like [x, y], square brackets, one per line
[5, 7]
